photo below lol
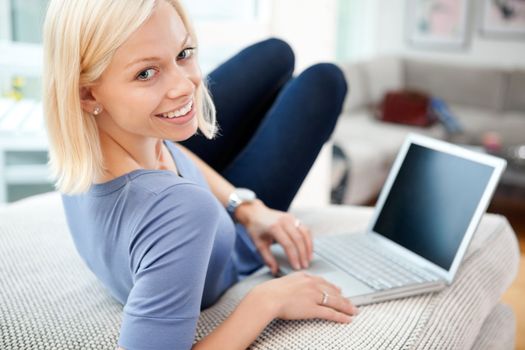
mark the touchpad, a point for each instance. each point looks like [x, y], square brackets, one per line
[320, 267]
[317, 266]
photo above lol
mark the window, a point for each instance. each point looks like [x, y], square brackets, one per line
[27, 17]
[20, 45]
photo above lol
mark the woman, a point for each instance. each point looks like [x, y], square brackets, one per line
[148, 215]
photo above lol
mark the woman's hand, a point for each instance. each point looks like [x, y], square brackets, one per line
[266, 225]
[304, 296]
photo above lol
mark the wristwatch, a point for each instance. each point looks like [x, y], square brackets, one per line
[238, 197]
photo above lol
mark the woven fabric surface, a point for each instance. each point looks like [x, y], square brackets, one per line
[498, 331]
[50, 300]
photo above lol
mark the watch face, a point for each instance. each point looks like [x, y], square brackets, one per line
[239, 196]
[245, 194]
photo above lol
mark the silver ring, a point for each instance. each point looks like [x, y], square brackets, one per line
[297, 223]
[325, 298]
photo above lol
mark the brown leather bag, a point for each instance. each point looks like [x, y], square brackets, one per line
[406, 107]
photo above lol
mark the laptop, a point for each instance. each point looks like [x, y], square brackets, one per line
[425, 217]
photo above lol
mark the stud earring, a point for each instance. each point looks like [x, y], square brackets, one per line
[97, 110]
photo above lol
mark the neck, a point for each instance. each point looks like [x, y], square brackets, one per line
[123, 155]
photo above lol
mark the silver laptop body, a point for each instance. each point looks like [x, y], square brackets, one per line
[426, 214]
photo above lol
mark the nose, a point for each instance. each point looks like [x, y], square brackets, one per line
[180, 83]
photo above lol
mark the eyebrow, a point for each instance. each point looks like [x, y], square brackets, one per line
[154, 58]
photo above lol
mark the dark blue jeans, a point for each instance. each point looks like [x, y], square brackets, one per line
[272, 126]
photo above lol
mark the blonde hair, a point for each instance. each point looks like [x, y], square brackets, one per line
[80, 39]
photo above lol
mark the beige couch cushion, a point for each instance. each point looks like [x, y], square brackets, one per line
[357, 95]
[473, 86]
[50, 300]
[479, 121]
[515, 100]
[383, 74]
[371, 147]
[369, 80]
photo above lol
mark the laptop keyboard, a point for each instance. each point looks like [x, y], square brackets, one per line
[365, 261]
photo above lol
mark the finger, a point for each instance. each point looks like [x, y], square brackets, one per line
[297, 237]
[330, 289]
[339, 303]
[330, 314]
[289, 247]
[307, 237]
[268, 258]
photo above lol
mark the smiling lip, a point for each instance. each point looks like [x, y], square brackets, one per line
[173, 111]
[180, 120]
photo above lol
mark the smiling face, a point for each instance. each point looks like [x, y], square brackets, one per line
[149, 88]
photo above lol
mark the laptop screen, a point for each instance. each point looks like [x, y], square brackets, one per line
[431, 203]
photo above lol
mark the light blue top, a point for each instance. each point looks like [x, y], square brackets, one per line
[163, 246]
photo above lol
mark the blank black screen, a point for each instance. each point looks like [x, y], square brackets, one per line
[431, 203]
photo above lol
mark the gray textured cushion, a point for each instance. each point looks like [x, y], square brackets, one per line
[515, 100]
[473, 86]
[49, 300]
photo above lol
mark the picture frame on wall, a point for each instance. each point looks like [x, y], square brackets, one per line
[437, 24]
[503, 19]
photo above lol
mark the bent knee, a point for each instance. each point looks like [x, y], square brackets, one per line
[279, 52]
[328, 78]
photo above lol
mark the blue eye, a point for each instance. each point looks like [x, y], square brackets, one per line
[146, 74]
[186, 53]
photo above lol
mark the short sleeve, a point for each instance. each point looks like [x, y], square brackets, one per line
[169, 255]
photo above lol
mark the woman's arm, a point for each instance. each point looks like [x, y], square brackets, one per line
[262, 223]
[220, 187]
[251, 316]
[293, 297]
[242, 327]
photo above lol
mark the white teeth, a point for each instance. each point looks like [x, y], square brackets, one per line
[179, 113]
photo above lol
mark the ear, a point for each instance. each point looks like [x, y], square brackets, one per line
[87, 100]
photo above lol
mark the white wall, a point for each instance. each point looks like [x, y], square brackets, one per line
[357, 29]
[386, 29]
[309, 26]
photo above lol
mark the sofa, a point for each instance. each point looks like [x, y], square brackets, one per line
[483, 99]
[50, 300]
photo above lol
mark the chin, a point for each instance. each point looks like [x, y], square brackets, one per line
[188, 132]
